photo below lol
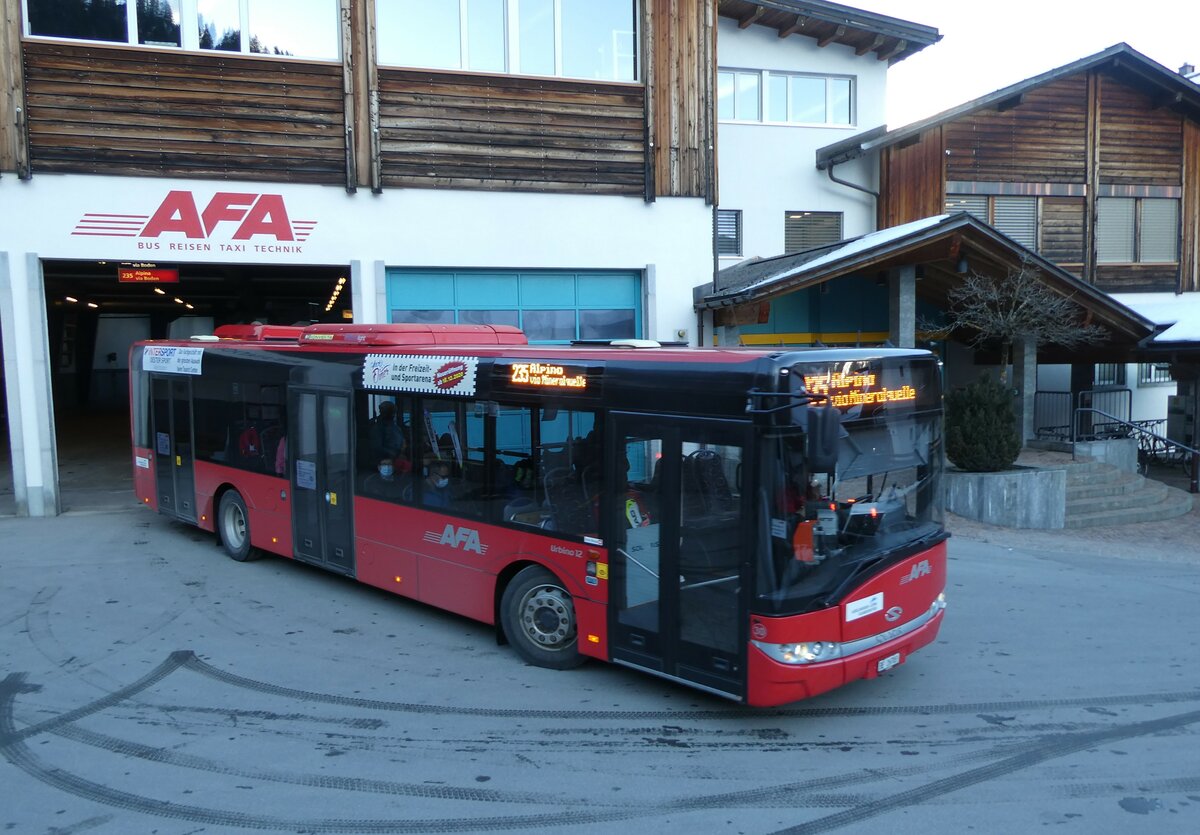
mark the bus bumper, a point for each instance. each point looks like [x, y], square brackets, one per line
[772, 683]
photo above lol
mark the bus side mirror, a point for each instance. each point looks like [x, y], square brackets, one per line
[824, 428]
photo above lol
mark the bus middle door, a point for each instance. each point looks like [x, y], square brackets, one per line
[174, 465]
[678, 532]
[321, 469]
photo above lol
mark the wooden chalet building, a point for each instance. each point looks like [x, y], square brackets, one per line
[1095, 165]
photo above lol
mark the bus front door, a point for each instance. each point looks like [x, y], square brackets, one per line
[173, 463]
[321, 469]
[679, 549]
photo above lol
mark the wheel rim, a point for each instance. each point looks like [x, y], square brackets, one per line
[548, 617]
[235, 526]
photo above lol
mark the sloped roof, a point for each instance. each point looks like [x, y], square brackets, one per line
[1122, 60]
[938, 244]
[1176, 314]
[890, 38]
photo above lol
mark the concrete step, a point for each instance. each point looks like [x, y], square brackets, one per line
[1103, 484]
[1174, 503]
[1084, 470]
[1140, 493]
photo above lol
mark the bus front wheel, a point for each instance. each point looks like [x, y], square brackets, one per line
[538, 615]
[233, 526]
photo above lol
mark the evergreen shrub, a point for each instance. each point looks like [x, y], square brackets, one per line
[981, 427]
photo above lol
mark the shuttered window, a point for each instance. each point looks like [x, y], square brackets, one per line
[973, 204]
[807, 230]
[1159, 232]
[1115, 222]
[1137, 230]
[1017, 217]
[729, 232]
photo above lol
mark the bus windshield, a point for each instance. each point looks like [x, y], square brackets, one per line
[823, 529]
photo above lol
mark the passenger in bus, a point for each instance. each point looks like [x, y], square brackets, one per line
[403, 459]
[436, 489]
[386, 437]
[384, 483]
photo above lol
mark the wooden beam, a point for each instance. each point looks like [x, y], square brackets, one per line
[758, 12]
[828, 39]
[14, 133]
[796, 26]
[897, 48]
[870, 47]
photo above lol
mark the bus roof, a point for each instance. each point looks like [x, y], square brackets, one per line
[505, 340]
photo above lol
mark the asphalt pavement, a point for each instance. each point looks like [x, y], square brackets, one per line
[149, 684]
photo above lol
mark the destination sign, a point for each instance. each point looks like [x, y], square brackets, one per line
[548, 376]
[846, 389]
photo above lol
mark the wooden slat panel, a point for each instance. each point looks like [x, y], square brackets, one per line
[1062, 230]
[1139, 144]
[1189, 250]
[457, 130]
[913, 181]
[1043, 138]
[119, 110]
[1137, 278]
[684, 135]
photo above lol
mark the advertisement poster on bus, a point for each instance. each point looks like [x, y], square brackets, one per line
[420, 374]
[166, 359]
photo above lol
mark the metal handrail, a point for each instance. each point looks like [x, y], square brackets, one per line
[1193, 470]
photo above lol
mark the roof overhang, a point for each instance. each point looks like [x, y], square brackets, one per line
[945, 247]
[1172, 90]
[888, 38]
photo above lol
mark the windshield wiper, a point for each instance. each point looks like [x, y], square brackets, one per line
[873, 560]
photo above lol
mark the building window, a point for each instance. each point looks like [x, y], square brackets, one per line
[284, 28]
[784, 98]
[1014, 216]
[1141, 230]
[1109, 374]
[1154, 374]
[592, 39]
[808, 230]
[729, 231]
[548, 305]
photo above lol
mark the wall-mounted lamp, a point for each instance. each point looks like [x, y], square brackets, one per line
[961, 267]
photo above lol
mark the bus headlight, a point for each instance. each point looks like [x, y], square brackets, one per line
[805, 652]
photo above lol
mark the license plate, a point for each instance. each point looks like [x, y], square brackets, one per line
[887, 663]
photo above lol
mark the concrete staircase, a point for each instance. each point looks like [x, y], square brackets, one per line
[1101, 494]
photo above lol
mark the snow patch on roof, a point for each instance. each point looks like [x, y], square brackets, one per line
[1180, 311]
[866, 242]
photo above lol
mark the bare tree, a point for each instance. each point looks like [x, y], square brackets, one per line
[1016, 306]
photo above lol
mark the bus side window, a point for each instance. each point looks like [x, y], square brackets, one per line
[515, 496]
[454, 434]
[570, 469]
[383, 454]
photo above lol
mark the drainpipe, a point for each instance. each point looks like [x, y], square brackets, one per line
[849, 184]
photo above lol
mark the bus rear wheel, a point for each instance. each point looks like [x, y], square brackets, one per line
[233, 526]
[538, 616]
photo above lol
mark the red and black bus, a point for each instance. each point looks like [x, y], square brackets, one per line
[765, 525]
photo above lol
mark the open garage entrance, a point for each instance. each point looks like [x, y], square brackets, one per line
[92, 320]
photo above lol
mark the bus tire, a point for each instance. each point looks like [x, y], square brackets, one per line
[538, 616]
[233, 526]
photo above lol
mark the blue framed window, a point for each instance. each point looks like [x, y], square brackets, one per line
[550, 306]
